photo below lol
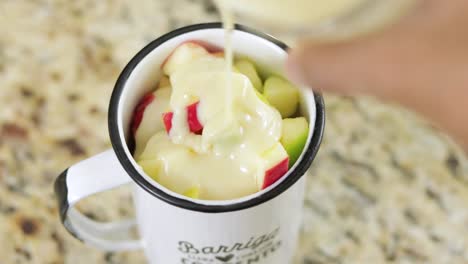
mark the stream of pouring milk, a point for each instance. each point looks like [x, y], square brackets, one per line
[228, 25]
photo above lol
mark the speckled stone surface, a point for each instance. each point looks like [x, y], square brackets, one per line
[385, 187]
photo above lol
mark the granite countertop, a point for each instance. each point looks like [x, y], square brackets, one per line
[385, 187]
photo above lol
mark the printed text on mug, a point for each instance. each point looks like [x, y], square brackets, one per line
[251, 251]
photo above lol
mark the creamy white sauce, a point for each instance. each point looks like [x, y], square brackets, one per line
[225, 161]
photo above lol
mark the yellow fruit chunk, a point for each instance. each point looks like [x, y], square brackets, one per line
[261, 97]
[282, 95]
[183, 54]
[247, 68]
[294, 137]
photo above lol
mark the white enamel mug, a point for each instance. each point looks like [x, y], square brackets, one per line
[260, 228]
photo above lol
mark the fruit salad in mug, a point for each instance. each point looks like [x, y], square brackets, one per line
[213, 134]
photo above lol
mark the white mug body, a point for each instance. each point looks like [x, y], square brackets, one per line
[266, 233]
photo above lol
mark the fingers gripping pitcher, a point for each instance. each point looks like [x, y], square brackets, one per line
[216, 160]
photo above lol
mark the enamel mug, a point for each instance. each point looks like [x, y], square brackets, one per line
[260, 228]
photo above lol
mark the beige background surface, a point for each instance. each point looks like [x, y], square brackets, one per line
[385, 187]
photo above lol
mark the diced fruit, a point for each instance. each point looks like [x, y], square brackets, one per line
[147, 120]
[262, 97]
[219, 54]
[294, 136]
[167, 119]
[150, 167]
[186, 52]
[164, 82]
[248, 69]
[213, 49]
[275, 173]
[277, 162]
[193, 192]
[140, 110]
[192, 119]
[282, 95]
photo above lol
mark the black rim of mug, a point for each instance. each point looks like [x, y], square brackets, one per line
[118, 146]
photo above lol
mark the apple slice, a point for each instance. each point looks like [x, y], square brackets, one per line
[219, 54]
[167, 120]
[183, 54]
[192, 119]
[146, 119]
[211, 48]
[282, 95]
[294, 137]
[140, 110]
[145, 102]
[277, 164]
[247, 68]
[261, 97]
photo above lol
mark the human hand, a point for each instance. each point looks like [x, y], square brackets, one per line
[421, 63]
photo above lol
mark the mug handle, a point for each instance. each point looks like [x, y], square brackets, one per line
[97, 174]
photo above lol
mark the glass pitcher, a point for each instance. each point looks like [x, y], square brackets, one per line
[318, 19]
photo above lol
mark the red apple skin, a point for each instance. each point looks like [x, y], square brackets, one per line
[207, 46]
[219, 54]
[275, 173]
[167, 120]
[192, 119]
[140, 110]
